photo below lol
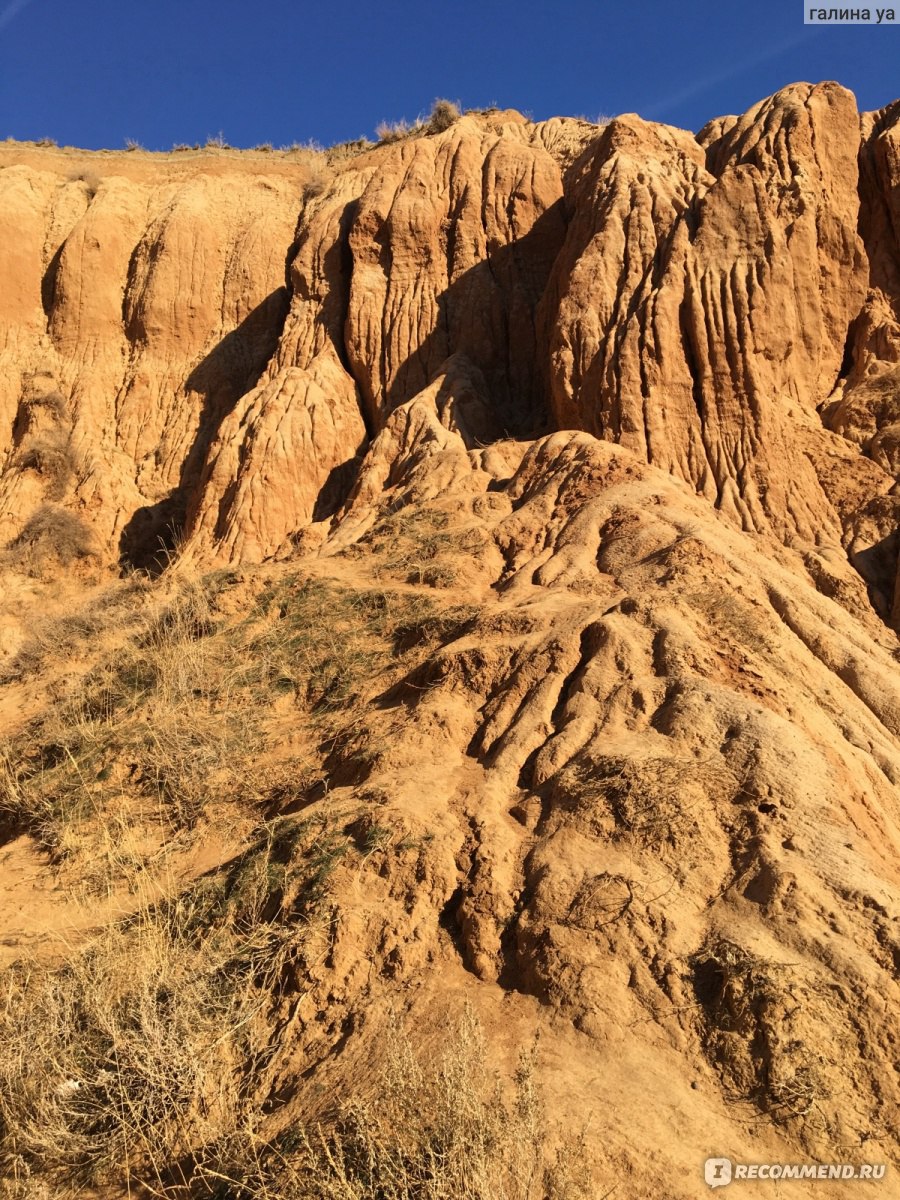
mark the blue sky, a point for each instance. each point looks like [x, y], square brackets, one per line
[97, 72]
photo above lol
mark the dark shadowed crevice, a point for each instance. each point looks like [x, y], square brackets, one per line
[690, 358]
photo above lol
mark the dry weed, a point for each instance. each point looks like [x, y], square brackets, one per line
[51, 535]
[436, 1129]
[418, 546]
[136, 1058]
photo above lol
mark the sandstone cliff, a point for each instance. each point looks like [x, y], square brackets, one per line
[624, 404]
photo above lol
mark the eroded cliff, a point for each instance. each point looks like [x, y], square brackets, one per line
[619, 407]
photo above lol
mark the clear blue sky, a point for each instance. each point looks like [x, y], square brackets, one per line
[95, 72]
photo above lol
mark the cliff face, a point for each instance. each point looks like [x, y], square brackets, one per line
[225, 347]
[635, 396]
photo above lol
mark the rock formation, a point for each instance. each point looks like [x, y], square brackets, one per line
[634, 395]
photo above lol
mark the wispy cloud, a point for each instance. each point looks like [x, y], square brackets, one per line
[11, 11]
[660, 108]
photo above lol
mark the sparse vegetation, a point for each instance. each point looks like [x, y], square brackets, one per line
[418, 546]
[152, 1037]
[314, 186]
[153, 1041]
[52, 456]
[51, 534]
[90, 179]
[655, 802]
[444, 113]
[394, 131]
[52, 402]
[749, 1003]
[173, 720]
[444, 1129]
[148, 739]
[156, 1036]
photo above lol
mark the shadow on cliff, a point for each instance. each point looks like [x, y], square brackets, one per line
[490, 314]
[232, 368]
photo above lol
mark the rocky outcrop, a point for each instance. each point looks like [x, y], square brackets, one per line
[148, 296]
[699, 311]
[698, 300]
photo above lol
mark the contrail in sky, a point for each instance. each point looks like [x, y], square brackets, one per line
[11, 11]
[659, 107]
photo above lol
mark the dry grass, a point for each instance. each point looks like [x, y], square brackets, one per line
[152, 1038]
[146, 740]
[145, 1057]
[138, 1038]
[750, 1005]
[175, 718]
[52, 457]
[142, 1061]
[112, 613]
[152, 1091]
[444, 114]
[51, 535]
[332, 664]
[418, 546]
[650, 801]
[443, 1128]
[51, 402]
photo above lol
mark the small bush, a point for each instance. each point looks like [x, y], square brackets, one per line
[395, 131]
[52, 458]
[52, 534]
[117, 1064]
[444, 113]
[90, 179]
[444, 1128]
[313, 187]
[52, 402]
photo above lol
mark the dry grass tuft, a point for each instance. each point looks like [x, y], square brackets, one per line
[152, 1039]
[52, 457]
[138, 1037]
[51, 535]
[418, 546]
[439, 1129]
[444, 113]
